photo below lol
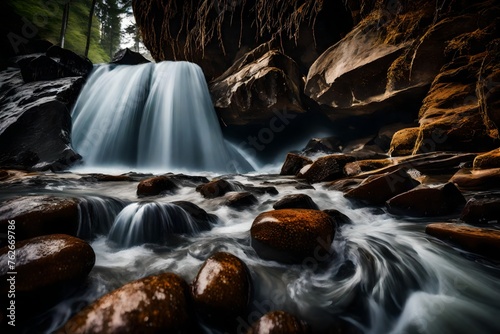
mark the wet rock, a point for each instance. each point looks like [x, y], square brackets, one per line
[327, 168]
[358, 167]
[157, 223]
[343, 185]
[488, 160]
[155, 304]
[156, 186]
[290, 235]
[203, 219]
[262, 190]
[294, 163]
[473, 239]
[48, 261]
[256, 86]
[240, 200]
[437, 163]
[40, 215]
[338, 217]
[187, 180]
[377, 189]
[481, 179]
[279, 322]
[479, 211]
[296, 201]
[108, 178]
[403, 142]
[53, 64]
[35, 125]
[327, 145]
[48, 269]
[216, 188]
[128, 57]
[428, 202]
[222, 289]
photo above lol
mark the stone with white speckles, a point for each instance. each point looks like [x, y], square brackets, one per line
[279, 322]
[293, 235]
[222, 289]
[154, 304]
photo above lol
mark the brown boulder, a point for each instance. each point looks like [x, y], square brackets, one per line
[473, 239]
[451, 117]
[279, 322]
[155, 186]
[222, 289]
[403, 142]
[40, 215]
[295, 201]
[481, 179]
[294, 163]
[481, 211]
[48, 268]
[428, 202]
[256, 86]
[488, 160]
[377, 189]
[154, 304]
[361, 166]
[47, 262]
[290, 235]
[327, 168]
[216, 188]
[240, 200]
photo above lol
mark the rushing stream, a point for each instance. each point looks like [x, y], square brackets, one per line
[385, 275]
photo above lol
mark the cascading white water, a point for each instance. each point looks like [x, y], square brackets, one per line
[151, 117]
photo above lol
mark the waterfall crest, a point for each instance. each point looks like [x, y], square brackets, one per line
[151, 117]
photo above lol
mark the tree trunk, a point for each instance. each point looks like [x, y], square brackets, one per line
[64, 24]
[89, 27]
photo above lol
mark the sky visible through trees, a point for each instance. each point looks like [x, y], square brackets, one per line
[95, 28]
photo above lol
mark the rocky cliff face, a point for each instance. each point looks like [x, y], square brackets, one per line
[430, 65]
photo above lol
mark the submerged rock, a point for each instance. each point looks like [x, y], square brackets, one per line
[473, 239]
[294, 163]
[291, 235]
[222, 289]
[151, 222]
[40, 215]
[295, 201]
[428, 202]
[377, 189]
[279, 322]
[156, 186]
[154, 304]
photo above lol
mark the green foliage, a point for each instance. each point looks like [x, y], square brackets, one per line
[47, 16]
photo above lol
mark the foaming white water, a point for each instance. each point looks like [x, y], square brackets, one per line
[385, 275]
[151, 117]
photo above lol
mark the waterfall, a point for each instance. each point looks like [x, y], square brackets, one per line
[150, 222]
[151, 117]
